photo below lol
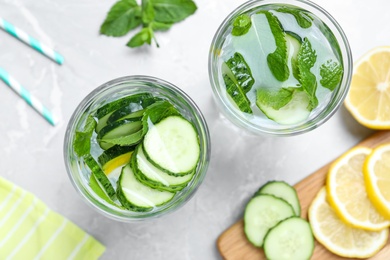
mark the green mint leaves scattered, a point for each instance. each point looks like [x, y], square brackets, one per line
[241, 25]
[241, 72]
[305, 61]
[274, 98]
[304, 20]
[277, 61]
[152, 15]
[124, 16]
[331, 73]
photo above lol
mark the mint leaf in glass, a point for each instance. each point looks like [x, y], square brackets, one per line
[173, 11]
[241, 72]
[305, 61]
[277, 61]
[303, 19]
[274, 98]
[241, 25]
[331, 73]
[82, 140]
[122, 17]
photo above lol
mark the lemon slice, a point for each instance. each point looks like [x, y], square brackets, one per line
[377, 178]
[368, 99]
[116, 162]
[347, 192]
[340, 238]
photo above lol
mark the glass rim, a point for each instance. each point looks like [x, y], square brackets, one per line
[234, 116]
[128, 215]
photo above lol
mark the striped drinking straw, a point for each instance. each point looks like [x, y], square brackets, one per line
[25, 94]
[32, 42]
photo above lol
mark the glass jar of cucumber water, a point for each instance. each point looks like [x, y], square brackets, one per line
[136, 147]
[279, 67]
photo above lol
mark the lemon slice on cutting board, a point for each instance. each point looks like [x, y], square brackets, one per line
[377, 178]
[347, 192]
[340, 238]
[368, 99]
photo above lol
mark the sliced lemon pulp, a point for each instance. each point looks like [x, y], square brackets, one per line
[347, 192]
[339, 238]
[368, 99]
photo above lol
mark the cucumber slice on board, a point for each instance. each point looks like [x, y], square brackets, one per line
[150, 175]
[114, 133]
[100, 176]
[290, 239]
[262, 213]
[173, 146]
[284, 191]
[135, 196]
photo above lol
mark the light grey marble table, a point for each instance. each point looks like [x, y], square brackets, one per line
[31, 150]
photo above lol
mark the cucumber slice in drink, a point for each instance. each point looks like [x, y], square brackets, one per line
[294, 112]
[116, 104]
[261, 214]
[105, 112]
[115, 157]
[132, 110]
[284, 191]
[98, 173]
[291, 239]
[135, 196]
[116, 132]
[150, 175]
[173, 146]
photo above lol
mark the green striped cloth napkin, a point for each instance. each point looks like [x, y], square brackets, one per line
[30, 230]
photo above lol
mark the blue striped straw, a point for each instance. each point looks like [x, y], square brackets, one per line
[32, 42]
[25, 94]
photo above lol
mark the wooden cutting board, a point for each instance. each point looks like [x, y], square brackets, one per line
[233, 245]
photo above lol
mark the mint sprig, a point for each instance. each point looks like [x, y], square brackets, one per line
[152, 15]
[331, 73]
[82, 140]
[277, 61]
[305, 61]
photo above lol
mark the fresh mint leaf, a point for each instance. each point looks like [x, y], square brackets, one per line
[305, 61]
[148, 12]
[173, 11]
[122, 17]
[303, 19]
[142, 37]
[157, 26]
[241, 25]
[82, 141]
[241, 71]
[236, 93]
[331, 73]
[274, 98]
[277, 61]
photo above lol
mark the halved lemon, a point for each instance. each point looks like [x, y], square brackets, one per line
[377, 178]
[368, 99]
[347, 192]
[340, 238]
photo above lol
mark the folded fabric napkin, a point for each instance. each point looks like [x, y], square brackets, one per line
[30, 230]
